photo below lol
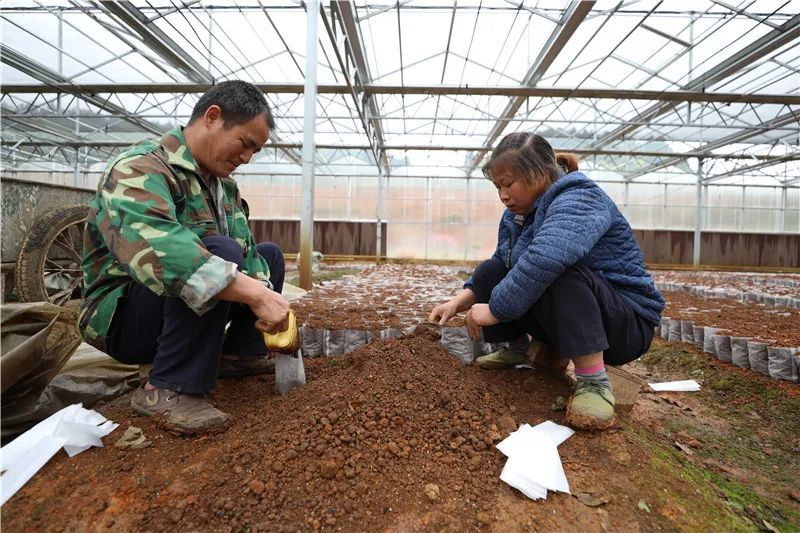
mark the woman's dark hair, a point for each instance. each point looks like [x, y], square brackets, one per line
[532, 156]
[239, 101]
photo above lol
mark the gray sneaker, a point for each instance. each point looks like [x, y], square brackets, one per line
[183, 413]
[591, 407]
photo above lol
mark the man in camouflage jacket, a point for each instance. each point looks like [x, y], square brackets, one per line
[169, 260]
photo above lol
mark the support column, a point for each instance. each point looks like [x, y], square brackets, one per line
[427, 214]
[309, 126]
[782, 223]
[467, 220]
[378, 229]
[626, 198]
[698, 214]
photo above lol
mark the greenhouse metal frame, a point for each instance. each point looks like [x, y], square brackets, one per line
[674, 107]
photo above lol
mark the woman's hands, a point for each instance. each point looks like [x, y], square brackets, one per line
[444, 312]
[479, 316]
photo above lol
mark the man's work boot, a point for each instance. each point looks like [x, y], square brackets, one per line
[183, 413]
[239, 366]
[505, 357]
[591, 406]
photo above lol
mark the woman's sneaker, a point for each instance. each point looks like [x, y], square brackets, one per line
[591, 406]
[183, 413]
[503, 358]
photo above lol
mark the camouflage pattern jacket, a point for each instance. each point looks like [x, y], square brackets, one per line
[144, 226]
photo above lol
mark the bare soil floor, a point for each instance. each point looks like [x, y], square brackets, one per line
[779, 325]
[355, 448]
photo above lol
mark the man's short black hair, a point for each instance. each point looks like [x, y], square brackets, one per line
[239, 101]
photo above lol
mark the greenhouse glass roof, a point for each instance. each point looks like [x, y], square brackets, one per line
[639, 89]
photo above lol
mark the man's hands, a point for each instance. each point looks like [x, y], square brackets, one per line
[272, 312]
[271, 309]
[477, 317]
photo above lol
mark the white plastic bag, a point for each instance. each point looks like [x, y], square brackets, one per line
[289, 372]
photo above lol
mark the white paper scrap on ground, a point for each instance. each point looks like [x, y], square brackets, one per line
[534, 465]
[516, 441]
[539, 467]
[686, 385]
[73, 428]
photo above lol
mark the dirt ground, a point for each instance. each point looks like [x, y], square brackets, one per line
[400, 436]
[357, 446]
[779, 325]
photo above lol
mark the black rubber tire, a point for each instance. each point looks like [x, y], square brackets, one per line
[45, 249]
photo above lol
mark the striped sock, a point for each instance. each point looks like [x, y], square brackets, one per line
[596, 374]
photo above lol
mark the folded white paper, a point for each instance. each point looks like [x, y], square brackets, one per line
[73, 428]
[686, 385]
[533, 465]
[516, 441]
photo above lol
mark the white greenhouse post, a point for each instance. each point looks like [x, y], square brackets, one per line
[378, 219]
[698, 214]
[310, 96]
[625, 198]
[741, 218]
[426, 214]
[782, 224]
[466, 221]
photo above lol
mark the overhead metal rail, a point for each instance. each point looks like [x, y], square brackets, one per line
[46, 75]
[425, 147]
[423, 90]
[156, 39]
[567, 26]
[776, 38]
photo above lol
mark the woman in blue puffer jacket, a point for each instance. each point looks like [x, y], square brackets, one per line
[567, 271]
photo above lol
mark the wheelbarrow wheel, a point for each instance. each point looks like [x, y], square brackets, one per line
[49, 262]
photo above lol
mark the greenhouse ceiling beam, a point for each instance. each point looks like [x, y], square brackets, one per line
[572, 18]
[678, 96]
[749, 168]
[156, 39]
[746, 133]
[368, 123]
[425, 147]
[358, 54]
[36, 70]
[784, 34]
[10, 113]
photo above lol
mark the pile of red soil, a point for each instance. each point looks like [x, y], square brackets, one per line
[358, 448]
[750, 319]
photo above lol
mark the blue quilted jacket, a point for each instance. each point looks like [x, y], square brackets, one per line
[574, 221]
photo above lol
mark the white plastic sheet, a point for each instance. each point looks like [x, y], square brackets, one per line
[74, 428]
[686, 385]
[533, 465]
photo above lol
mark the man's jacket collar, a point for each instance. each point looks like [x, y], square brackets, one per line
[174, 144]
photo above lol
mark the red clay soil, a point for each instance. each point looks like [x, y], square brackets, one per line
[355, 449]
[761, 321]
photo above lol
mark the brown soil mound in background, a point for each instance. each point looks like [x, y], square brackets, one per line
[767, 322]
